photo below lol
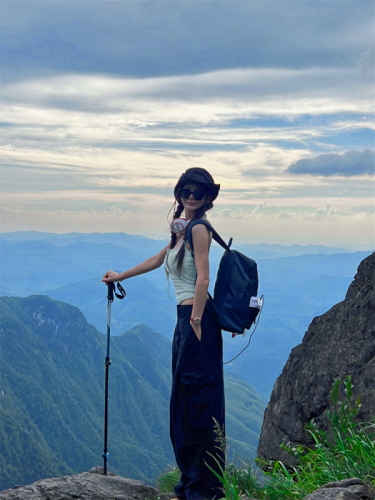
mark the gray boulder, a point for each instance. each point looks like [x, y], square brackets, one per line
[347, 489]
[340, 342]
[85, 486]
[333, 494]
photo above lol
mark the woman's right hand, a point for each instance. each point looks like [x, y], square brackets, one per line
[110, 277]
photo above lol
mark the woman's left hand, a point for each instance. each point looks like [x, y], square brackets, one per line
[197, 330]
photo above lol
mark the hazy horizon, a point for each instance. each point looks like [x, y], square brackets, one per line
[238, 241]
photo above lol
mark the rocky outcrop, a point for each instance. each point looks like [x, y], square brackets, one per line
[341, 342]
[347, 489]
[86, 486]
[93, 485]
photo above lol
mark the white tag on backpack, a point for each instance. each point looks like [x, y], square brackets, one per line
[256, 302]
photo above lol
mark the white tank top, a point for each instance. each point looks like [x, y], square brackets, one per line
[183, 281]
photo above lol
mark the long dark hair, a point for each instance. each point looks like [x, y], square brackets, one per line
[199, 213]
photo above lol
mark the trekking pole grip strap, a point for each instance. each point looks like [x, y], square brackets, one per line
[112, 291]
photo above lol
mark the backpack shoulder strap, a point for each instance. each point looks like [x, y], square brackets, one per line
[215, 235]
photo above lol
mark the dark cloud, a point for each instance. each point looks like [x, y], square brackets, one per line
[158, 38]
[348, 164]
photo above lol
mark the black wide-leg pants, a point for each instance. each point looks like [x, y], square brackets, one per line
[197, 399]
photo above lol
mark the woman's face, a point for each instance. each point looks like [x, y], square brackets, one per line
[190, 203]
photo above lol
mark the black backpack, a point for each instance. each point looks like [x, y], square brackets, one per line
[236, 287]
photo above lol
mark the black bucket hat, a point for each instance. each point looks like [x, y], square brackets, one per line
[199, 176]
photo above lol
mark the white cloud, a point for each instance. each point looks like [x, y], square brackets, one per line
[181, 37]
[256, 91]
[80, 143]
[271, 211]
[285, 215]
[349, 164]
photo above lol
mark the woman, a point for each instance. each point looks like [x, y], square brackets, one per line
[197, 398]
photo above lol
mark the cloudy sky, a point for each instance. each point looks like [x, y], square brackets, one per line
[105, 103]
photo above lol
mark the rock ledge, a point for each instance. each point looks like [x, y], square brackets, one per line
[85, 486]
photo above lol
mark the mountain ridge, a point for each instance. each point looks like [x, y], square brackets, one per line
[52, 378]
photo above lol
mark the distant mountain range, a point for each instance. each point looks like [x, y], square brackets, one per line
[69, 268]
[132, 242]
[52, 377]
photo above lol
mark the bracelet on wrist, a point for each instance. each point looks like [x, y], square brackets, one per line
[196, 321]
[118, 277]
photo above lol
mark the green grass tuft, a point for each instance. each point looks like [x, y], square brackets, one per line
[348, 450]
[168, 479]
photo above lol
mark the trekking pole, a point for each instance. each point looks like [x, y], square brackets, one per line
[110, 296]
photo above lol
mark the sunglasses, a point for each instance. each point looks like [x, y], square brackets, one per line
[197, 193]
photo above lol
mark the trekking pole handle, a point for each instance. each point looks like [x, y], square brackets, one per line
[110, 291]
